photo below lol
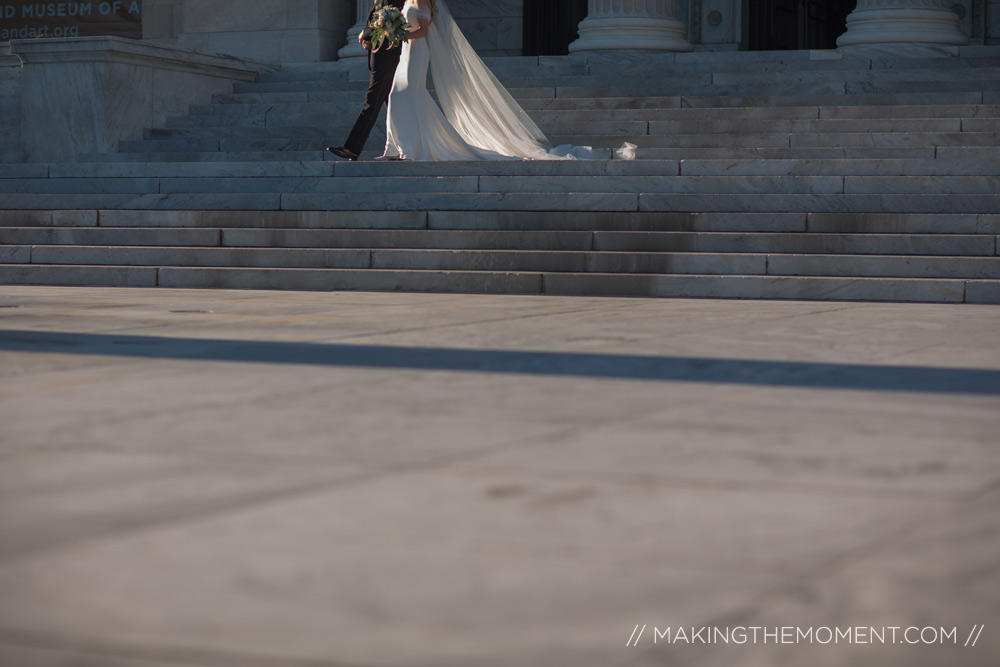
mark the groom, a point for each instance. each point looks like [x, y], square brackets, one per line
[383, 68]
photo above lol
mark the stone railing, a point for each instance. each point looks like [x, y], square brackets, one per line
[84, 95]
[10, 105]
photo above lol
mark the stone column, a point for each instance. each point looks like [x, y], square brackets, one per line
[903, 22]
[352, 49]
[629, 25]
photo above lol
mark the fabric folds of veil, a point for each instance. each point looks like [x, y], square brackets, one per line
[481, 110]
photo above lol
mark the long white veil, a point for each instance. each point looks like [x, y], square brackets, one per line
[477, 104]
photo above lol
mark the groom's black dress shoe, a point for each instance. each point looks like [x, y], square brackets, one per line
[340, 151]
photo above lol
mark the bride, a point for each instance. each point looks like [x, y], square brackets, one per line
[480, 120]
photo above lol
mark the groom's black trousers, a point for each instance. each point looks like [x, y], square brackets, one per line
[383, 68]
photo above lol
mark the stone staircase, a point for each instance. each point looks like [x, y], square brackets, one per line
[801, 175]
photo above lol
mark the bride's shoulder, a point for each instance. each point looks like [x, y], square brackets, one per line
[422, 6]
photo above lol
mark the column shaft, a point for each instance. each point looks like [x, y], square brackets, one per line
[353, 49]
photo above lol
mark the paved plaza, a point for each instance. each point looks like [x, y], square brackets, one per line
[293, 479]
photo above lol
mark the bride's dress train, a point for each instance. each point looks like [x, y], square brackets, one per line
[477, 120]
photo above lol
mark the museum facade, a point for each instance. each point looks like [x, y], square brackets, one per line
[289, 31]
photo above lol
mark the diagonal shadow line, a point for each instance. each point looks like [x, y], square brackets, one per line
[567, 364]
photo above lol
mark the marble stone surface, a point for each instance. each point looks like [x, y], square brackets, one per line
[162, 20]
[285, 31]
[258, 478]
[10, 109]
[86, 95]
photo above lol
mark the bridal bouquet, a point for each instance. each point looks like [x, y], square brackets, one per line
[388, 28]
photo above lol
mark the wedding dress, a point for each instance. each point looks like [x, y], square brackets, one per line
[477, 120]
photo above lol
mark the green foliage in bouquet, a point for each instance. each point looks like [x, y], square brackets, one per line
[388, 29]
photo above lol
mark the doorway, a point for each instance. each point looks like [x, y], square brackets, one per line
[775, 25]
[550, 25]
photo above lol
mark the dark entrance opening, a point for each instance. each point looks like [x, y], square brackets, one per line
[550, 25]
[774, 25]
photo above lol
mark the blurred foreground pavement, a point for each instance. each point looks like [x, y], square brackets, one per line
[290, 479]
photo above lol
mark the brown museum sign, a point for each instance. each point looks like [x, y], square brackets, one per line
[30, 20]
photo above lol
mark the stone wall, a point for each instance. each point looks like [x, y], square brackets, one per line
[493, 27]
[162, 19]
[10, 106]
[270, 30]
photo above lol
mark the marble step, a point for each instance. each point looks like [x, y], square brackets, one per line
[885, 140]
[664, 78]
[648, 154]
[825, 164]
[966, 245]
[315, 167]
[314, 139]
[311, 145]
[879, 203]
[809, 153]
[234, 112]
[366, 169]
[821, 65]
[648, 285]
[581, 261]
[584, 122]
[815, 114]
[513, 184]
[957, 166]
[567, 67]
[315, 74]
[945, 74]
[315, 155]
[826, 125]
[405, 259]
[760, 89]
[846, 81]
[836, 223]
[322, 131]
[877, 55]
[680, 80]
[533, 100]
[519, 201]
[756, 100]
[574, 89]
[852, 168]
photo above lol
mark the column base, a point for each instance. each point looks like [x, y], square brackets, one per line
[903, 26]
[353, 48]
[631, 34]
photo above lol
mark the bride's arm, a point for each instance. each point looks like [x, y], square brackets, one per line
[420, 30]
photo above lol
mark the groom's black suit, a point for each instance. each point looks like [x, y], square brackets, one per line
[383, 68]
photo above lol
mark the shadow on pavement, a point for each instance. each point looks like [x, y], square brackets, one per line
[567, 364]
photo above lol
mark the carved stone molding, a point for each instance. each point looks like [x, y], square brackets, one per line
[695, 20]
